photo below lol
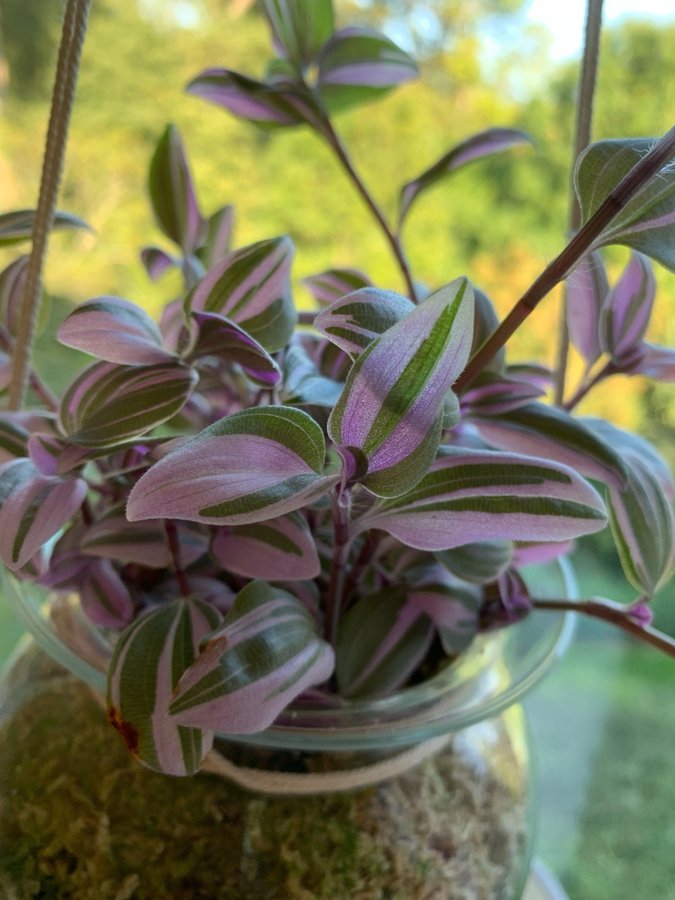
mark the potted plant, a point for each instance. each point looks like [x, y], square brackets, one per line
[300, 543]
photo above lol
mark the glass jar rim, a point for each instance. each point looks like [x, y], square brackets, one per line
[495, 672]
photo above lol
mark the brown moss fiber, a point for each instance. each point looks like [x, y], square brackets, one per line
[80, 819]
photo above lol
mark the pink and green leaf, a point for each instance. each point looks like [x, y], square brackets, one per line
[12, 284]
[625, 314]
[114, 330]
[266, 653]
[33, 508]
[477, 563]
[280, 549]
[259, 102]
[485, 143]
[553, 434]
[107, 403]
[355, 320]
[329, 286]
[587, 290]
[221, 337]
[217, 238]
[453, 608]
[172, 193]
[149, 659]
[647, 222]
[391, 408]
[252, 288]
[381, 640]
[157, 261]
[358, 65]
[299, 27]
[470, 496]
[17, 226]
[249, 467]
[105, 598]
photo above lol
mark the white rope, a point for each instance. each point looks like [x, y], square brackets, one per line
[297, 783]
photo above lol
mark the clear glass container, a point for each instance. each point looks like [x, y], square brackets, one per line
[426, 794]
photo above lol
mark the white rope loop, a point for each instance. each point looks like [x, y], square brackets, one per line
[306, 784]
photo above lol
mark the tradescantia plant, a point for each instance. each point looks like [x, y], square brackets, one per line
[260, 508]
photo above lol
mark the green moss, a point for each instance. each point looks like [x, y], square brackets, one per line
[79, 819]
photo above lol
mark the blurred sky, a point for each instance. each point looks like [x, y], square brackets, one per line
[564, 19]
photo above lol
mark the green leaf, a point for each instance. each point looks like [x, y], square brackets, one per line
[647, 222]
[171, 191]
[17, 226]
[300, 27]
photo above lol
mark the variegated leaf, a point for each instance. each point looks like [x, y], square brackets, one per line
[13, 438]
[493, 395]
[655, 362]
[328, 286]
[391, 408]
[481, 495]
[252, 287]
[172, 193]
[647, 222]
[114, 330]
[17, 225]
[641, 514]
[478, 563]
[587, 290]
[553, 434]
[105, 598]
[355, 320]
[359, 64]
[112, 536]
[107, 404]
[157, 261]
[266, 653]
[218, 237]
[625, 314]
[280, 549]
[53, 455]
[33, 507]
[12, 284]
[218, 336]
[381, 640]
[304, 385]
[149, 659]
[478, 146]
[259, 102]
[249, 467]
[299, 27]
[453, 608]
[485, 321]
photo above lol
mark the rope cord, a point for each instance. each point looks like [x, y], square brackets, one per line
[63, 95]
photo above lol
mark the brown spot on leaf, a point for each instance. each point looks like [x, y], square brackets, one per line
[126, 729]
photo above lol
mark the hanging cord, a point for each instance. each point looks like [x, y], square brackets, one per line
[311, 783]
[63, 95]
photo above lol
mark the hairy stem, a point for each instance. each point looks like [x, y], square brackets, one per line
[582, 242]
[582, 138]
[338, 565]
[333, 140]
[608, 369]
[70, 51]
[616, 615]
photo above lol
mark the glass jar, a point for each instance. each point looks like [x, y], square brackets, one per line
[426, 794]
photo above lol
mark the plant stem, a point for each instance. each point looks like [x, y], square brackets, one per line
[333, 140]
[659, 156]
[616, 614]
[70, 51]
[582, 138]
[174, 549]
[608, 369]
[336, 577]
